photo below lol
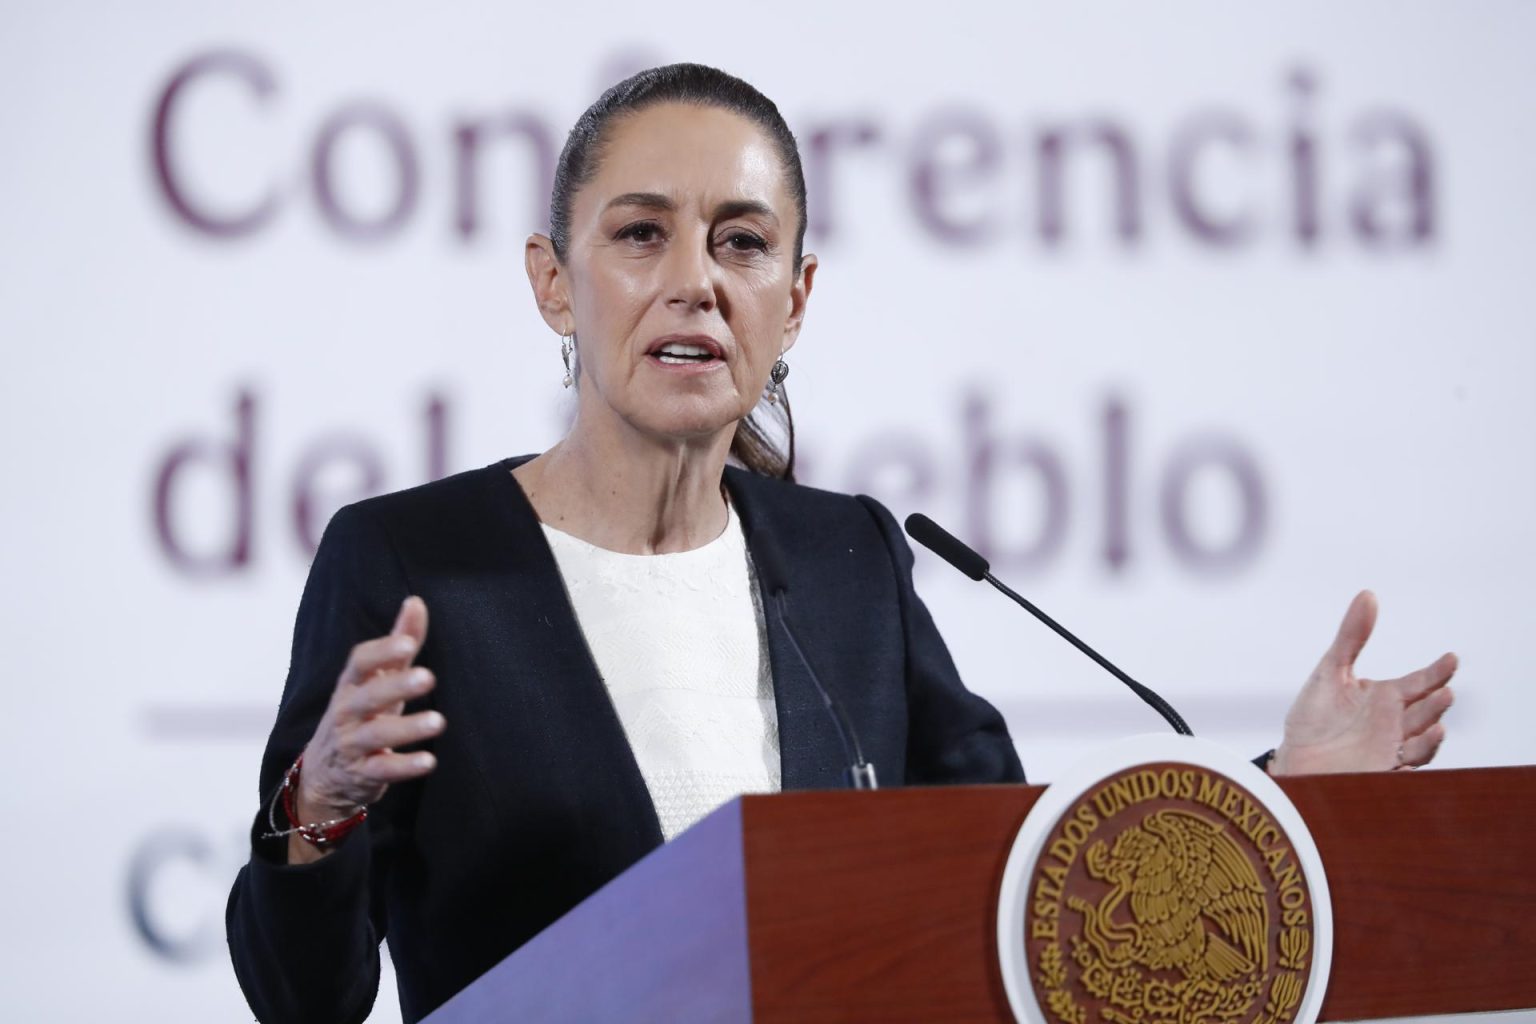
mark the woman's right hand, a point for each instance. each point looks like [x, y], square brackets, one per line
[350, 761]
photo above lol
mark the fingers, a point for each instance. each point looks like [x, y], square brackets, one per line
[393, 651]
[387, 731]
[412, 620]
[353, 758]
[1417, 685]
[1422, 714]
[384, 693]
[376, 655]
[1354, 631]
[1420, 750]
[388, 767]
[353, 762]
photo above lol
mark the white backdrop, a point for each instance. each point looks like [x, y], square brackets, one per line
[1198, 318]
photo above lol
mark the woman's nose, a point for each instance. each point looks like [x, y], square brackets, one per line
[690, 279]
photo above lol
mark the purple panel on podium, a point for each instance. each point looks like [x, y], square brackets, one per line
[634, 951]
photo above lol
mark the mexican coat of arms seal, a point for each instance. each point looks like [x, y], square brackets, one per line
[1178, 888]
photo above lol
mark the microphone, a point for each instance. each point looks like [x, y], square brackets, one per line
[954, 551]
[859, 773]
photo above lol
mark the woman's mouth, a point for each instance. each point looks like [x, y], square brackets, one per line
[676, 353]
[687, 352]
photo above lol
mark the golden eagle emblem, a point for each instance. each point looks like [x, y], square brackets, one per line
[1196, 905]
[1167, 893]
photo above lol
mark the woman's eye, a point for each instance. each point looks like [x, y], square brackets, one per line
[745, 241]
[643, 232]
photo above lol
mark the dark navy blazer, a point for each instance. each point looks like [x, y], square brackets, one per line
[537, 800]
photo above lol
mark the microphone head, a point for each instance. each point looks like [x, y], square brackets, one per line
[946, 545]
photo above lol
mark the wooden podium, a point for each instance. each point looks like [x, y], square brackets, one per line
[842, 906]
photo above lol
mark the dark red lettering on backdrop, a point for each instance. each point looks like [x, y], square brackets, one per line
[1230, 180]
[969, 178]
[1022, 493]
[312, 494]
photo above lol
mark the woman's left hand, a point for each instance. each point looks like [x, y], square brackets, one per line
[1342, 723]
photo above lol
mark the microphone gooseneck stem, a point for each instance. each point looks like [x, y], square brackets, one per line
[1157, 703]
[859, 773]
[955, 551]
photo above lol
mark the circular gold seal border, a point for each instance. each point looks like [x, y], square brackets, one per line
[1074, 785]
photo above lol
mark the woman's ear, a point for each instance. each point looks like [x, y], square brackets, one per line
[546, 274]
[799, 295]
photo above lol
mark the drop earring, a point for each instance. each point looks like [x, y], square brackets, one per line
[775, 378]
[567, 346]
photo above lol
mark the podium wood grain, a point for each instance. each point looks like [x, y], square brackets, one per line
[880, 906]
[813, 908]
[1433, 876]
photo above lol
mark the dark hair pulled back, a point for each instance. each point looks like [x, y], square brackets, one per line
[756, 444]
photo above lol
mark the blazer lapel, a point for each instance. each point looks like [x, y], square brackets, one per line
[563, 661]
[810, 753]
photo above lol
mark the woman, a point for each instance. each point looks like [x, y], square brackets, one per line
[598, 642]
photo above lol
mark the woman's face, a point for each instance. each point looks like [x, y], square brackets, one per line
[679, 277]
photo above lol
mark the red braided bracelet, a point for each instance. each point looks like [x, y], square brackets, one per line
[322, 834]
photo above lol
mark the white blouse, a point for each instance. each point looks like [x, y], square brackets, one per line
[682, 647]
